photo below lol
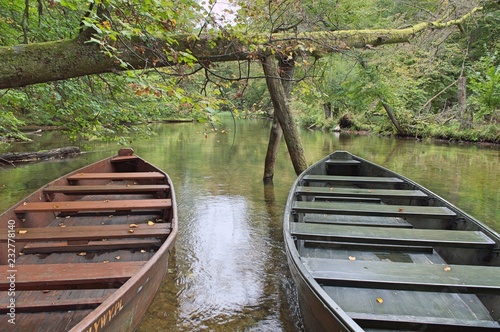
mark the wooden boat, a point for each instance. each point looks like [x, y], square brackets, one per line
[370, 250]
[88, 251]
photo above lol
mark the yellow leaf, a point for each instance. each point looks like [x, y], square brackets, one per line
[83, 253]
[117, 257]
[352, 258]
[143, 251]
[130, 230]
[150, 223]
[23, 231]
[380, 300]
[447, 268]
[133, 226]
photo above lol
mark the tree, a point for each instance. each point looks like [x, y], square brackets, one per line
[116, 36]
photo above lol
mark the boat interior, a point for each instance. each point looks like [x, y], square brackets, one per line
[391, 254]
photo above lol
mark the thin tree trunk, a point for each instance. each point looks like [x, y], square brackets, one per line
[462, 103]
[287, 69]
[395, 122]
[282, 112]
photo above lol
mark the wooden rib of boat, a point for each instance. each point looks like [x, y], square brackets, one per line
[88, 251]
[370, 250]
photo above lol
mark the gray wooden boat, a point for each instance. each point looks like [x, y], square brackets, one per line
[88, 251]
[370, 250]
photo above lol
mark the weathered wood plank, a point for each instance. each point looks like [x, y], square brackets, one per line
[351, 179]
[357, 192]
[373, 209]
[406, 276]
[62, 246]
[106, 205]
[99, 232]
[117, 176]
[70, 275]
[399, 236]
[106, 189]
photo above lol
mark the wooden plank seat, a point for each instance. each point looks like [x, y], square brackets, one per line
[54, 301]
[342, 162]
[89, 246]
[104, 205]
[351, 179]
[88, 233]
[405, 276]
[386, 235]
[357, 192]
[401, 310]
[106, 189]
[70, 275]
[116, 176]
[361, 209]
[119, 159]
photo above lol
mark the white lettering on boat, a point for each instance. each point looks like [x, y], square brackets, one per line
[105, 318]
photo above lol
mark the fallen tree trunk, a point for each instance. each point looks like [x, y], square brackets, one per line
[22, 157]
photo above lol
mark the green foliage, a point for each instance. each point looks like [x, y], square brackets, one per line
[484, 83]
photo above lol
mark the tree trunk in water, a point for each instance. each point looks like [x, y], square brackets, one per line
[392, 117]
[282, 112]
[287, 69]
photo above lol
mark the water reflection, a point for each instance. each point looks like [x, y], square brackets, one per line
[228, 271]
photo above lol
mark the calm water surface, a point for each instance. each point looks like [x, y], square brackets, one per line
[228, 271]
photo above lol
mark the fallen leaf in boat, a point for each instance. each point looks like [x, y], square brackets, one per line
[25, 203]
[159, 220]
[67, 217]
[380, 300]
[130, 230]
[143, 251]
[105, 261]
[56, 206]
[83, 253]
[111, 216]
[352, 258]
[401, 210]
[23, 231]
[46, 291]
[150, 223]
[447, 268]
[331, 189]
[61, 224]
[106, 201]
[128, 185]
[117, 257]
[21, 254]
[133, 226]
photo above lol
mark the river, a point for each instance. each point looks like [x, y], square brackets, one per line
[228, 271]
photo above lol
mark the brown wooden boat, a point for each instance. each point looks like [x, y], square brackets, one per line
[371, 250]
[88, 251]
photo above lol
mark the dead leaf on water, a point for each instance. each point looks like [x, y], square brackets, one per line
[380, 300]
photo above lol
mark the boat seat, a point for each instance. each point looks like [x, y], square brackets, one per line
[88, 233]
[357, 192]
[402, 310]
[88, 246]
[119, 159]
[342, 162]
[70, 275]
[37, 301]
[104, 190]
[388, 235]
[351, 179]
[116, 176]
[360, 209]
[85, 206]
[405, 276]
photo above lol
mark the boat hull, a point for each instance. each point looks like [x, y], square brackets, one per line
[370, 249]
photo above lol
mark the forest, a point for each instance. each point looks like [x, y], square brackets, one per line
[105, 69]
